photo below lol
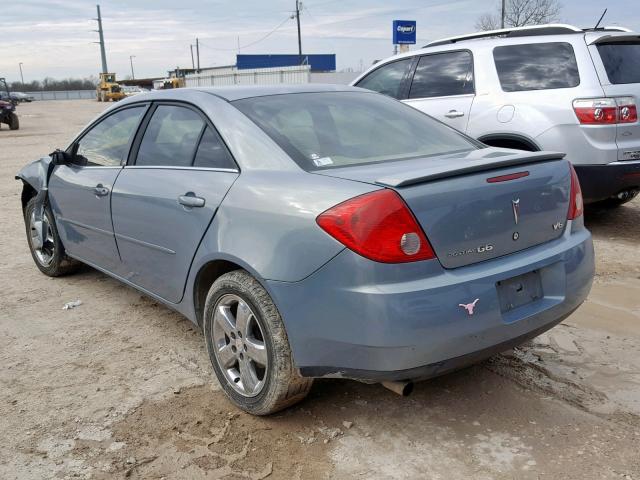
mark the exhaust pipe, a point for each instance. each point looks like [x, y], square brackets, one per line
[403, 389]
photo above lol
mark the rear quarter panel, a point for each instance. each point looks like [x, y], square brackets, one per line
[266, 224]
[527, 113]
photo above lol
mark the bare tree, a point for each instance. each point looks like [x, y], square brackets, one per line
[519, 13]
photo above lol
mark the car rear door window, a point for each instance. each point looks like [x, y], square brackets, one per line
[212, 152]
[536, 66]
[387, 79]
[442, 75]
[107, 143]
[621, 61]
[171, 137]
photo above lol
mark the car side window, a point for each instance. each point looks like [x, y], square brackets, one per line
[107, 143]
[212, 153]
[442, 75]
[388, 78]
[536, 66]
[171, 137]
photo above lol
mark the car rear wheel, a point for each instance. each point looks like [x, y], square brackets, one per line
[48, 254]
[248, 346]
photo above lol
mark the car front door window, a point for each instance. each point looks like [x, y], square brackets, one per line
[107, 143]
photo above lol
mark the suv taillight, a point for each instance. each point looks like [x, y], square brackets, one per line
[378, 226]
[627, 111]
[576, 206]
[605, 111]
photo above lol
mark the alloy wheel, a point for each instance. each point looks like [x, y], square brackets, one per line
[239, 345]
[44, 250]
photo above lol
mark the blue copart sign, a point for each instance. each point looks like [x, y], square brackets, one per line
[404, 31]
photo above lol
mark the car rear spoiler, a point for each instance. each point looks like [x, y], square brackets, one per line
[465, 167]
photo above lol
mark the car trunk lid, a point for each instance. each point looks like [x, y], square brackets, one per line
[478, 205]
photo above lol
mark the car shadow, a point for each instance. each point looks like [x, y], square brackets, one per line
[622, 222]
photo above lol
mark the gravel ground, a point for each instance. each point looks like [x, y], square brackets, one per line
[121, 387]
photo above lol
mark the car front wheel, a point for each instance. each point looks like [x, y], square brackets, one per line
[48, 254]
[248, 346]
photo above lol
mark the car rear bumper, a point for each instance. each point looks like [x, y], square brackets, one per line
[359, 319]
[600, 182]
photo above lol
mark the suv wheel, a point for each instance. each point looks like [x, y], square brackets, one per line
[248, 346]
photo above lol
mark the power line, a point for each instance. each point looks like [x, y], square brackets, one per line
[251, 43]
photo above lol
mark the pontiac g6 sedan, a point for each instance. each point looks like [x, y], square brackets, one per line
[315, 231]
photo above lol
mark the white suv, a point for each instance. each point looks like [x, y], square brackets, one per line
[550, 87]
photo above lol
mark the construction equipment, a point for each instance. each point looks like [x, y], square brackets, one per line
[108, 88]
[8, 108]
[168, 83]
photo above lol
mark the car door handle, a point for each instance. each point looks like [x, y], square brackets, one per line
[189, 199]
[454, 114]
[100, 190]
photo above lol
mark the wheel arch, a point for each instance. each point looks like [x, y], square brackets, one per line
[28, 192]
[208, 273]
[510, 140]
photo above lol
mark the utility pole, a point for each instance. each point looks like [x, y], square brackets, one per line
[198, 55]
[298, 6]
[503, 12]
[193, 63]
[21, 76]
[131, 57]
[101, 34]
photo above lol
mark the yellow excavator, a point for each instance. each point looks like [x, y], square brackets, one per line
[108, 88]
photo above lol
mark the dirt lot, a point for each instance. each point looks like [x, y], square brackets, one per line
[122, 387]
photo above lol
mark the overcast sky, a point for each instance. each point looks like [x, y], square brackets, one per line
[54, 37]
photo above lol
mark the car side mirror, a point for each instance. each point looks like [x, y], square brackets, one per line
[60, 157]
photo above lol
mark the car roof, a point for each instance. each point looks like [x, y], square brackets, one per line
[239, 92]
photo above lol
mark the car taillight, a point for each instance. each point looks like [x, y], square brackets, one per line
[605, 111]
[378, 226]
[627, 111]
[576, 206]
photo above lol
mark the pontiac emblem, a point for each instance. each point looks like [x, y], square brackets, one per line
[515, 204]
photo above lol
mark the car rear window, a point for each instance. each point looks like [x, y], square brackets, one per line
[537, 66]
[621, 61]
[334, 129]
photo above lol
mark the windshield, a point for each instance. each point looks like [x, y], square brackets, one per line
[334, 129]
[621, 61]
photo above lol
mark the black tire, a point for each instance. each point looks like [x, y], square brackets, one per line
[282, 384]
[14, 123]
[60, 263]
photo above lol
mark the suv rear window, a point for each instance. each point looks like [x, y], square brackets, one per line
[621, 61]
[536, 66]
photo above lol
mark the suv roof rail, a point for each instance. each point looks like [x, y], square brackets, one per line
[531, 30]
[609, 28]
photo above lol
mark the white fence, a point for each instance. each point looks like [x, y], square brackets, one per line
[63, 94]
[254, 76]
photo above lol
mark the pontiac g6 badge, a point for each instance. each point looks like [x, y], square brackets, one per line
[469, 307]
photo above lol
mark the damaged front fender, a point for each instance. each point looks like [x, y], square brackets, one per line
[35, 178]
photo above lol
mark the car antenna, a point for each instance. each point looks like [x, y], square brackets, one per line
[601, 17]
